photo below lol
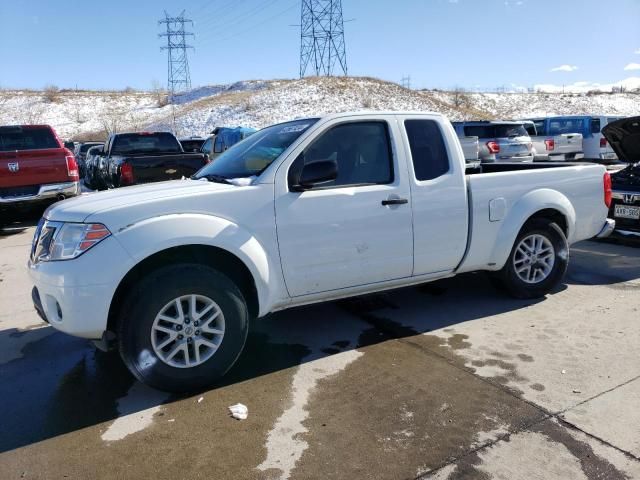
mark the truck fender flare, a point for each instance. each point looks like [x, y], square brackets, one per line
[525, 208]
[176, 230]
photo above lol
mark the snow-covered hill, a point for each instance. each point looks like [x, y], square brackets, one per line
[259, 103]
[521, 105]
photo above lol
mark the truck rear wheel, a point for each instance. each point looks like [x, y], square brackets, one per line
[182, 327]
[537, 262]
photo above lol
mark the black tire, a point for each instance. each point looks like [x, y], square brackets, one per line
[509, 279]
[147, 300]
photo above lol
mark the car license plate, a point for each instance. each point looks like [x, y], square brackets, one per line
[624, 211]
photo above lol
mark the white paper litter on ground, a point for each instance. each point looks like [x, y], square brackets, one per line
[200, 399]
[239, 411]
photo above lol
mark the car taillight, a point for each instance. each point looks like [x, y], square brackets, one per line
[493, 147]
[606, 181]
[126, 174]
[550, 144]
[72, 167]
[603, 142]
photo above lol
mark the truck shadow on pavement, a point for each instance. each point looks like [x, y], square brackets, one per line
[53, 384]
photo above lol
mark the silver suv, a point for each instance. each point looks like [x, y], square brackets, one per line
[499, 141]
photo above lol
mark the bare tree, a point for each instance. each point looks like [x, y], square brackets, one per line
[51, 94]
[460, 97]
[113, 119]
[160, 94]
[32, 114]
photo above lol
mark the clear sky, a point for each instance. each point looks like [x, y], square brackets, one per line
[113, 44]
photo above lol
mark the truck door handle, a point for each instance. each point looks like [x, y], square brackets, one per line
[394, 201]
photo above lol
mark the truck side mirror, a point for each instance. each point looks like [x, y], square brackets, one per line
[315, 174]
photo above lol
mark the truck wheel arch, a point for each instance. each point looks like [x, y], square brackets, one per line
[541, 203]
[218, 258]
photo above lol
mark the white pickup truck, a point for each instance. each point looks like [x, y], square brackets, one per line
[305, 211]
[550, 144]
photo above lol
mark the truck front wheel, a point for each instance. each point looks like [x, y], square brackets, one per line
[182, 327]
[538, 260]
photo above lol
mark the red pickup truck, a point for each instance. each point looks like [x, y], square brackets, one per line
[34, 168]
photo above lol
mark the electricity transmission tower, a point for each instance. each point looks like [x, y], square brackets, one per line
[322, 37]
[178, 78]
[406, 82]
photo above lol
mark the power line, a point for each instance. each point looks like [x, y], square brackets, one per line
[279, 14]
[249, 14]
[218, 14]
[322, 37]
[236, 21]
[178, 78]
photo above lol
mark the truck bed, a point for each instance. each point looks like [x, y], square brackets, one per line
[156, 168]
[502, 192]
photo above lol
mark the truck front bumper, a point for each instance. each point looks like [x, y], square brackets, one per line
[52, 191]
[74, 296]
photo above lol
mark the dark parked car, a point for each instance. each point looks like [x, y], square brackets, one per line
[624, 137]
[81, 152]
[144, 157]
[91, 177]
[192, 144]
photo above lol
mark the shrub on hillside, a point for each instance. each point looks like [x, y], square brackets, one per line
[51, 94]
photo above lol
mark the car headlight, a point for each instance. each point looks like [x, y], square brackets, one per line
[64, 241]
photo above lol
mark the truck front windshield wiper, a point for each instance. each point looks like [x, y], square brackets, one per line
[216, 178]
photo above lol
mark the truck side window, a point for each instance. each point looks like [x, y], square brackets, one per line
[206, 146]
[362, 150]
[217, 145]
[595, 125]
[428, 151]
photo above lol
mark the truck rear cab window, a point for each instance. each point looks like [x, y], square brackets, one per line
[560, 126]
[18, 138]
[161, 142]
[531, 129]
[362, 151]
[428, 150]
[541, 128]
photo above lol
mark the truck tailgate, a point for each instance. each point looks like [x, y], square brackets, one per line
[568, 143]
[154, 168]
[32, 167]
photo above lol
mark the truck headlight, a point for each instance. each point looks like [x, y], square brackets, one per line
[64, 241]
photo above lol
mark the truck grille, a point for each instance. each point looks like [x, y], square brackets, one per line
[10, 192]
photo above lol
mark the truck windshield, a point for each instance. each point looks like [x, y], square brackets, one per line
[158, 142]
[29, 138]
[254, 154]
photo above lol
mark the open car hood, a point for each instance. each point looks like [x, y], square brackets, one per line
[624, 137]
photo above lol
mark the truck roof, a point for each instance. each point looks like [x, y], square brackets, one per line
[376, 112]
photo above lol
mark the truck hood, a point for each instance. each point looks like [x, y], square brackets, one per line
[624, 137]
[132, 200]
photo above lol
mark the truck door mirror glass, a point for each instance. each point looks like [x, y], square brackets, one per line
[317, 173]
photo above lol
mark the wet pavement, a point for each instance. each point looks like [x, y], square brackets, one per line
[448, 380]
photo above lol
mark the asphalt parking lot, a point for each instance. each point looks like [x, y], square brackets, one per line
[448, 380]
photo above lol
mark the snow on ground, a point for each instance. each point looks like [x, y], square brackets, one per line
[257, 103]
[519, 105]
